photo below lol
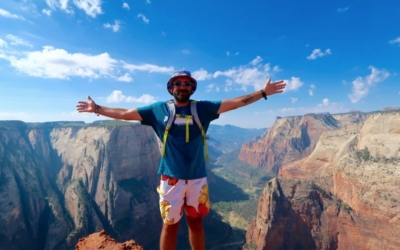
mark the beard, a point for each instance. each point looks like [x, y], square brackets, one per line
[182, 95]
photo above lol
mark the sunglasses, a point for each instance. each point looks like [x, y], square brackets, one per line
[178, 84]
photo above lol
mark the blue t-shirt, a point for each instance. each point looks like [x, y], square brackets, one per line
[182, 160]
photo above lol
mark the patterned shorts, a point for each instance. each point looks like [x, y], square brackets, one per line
[176, 195]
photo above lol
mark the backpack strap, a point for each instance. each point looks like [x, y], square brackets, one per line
[171, 117]
[195, 116]
[193, 110]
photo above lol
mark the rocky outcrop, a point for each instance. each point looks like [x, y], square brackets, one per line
[291, 138]
[59, 183]
[340, 196]
[101, 240]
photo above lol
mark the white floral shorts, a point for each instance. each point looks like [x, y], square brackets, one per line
[176, 195]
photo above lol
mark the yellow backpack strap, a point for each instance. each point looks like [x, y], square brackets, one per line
[188, 117]
[193, 110]
[171, 117]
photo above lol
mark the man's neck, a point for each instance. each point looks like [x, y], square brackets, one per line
[181, 104]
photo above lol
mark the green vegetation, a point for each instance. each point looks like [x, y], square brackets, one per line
[363, 154]
[242, 211]
[4, 179]
[235, 193]
[136, 187]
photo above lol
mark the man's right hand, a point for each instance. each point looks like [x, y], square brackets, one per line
[88, 106]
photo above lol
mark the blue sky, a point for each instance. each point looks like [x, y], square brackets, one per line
[335, 56]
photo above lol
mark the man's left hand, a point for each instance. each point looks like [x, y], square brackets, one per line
[274, 87]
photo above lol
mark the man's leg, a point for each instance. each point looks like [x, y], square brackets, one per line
[168, 236]
[196, 233]
[172, 193]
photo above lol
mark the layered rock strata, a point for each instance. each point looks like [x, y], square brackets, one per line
[291, 138]
[58, 184]
[343, 195]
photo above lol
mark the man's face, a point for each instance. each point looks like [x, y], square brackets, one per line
[181, 93]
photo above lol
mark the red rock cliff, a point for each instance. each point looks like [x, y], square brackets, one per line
[343, 195]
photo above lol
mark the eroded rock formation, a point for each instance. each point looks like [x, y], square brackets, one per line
[106, 179]
[102, 240]
[291, 138]
[342, 195]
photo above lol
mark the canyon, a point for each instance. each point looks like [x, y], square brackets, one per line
[336, 184]
[336, 177]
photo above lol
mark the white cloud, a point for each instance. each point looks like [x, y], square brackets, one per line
[58, 63]
[294, 100]
[115, 27]
[311, 90]
[293, 84]
[228, 85]
[253, 75]
[90, 7]
[116, 96]
[18, 41]
[60, 4]
[186, 51]
[148, 67]
[201, 75]
[3, 43]
[318, 53]
[326, 106]
[395, 41]
[46, 12]
[276, 69]
[7, 14]
[325, 102]
[256, 61]
[143, 17]
[209, 87]
[125, 78]
[343, 9]
[125, 6]
[229, 53]
[287, 110]
[361, 85]
[148, 2]
[212, 87]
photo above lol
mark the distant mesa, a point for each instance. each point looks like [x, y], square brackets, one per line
[354, 111]
[101, 240]
[391, 108]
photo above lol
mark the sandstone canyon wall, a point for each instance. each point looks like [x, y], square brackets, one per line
[58, 184]
[340, 192]
[291, 138]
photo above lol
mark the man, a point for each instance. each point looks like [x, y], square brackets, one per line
[183, 184]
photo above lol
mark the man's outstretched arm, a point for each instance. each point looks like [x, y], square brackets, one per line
[269, 89]
[116, 113]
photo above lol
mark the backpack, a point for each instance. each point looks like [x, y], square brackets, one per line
[195, 116]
